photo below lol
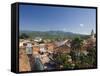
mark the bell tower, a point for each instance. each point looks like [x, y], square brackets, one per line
[92, 34]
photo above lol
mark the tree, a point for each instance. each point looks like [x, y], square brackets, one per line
[63, 60]
[92, 56]
[77, 44]
[75, 53]
[24, 36]
[88, 60]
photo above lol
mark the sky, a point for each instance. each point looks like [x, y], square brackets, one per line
[67, 19]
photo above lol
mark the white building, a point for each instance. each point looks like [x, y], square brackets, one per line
[38, 39]
[42, 48]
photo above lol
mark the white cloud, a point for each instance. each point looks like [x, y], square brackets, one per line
[81, 25]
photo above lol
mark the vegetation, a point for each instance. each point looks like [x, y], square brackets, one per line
[76, 58]
[86, 61]
[76, 44]
[23, 36]
[80, 59]
[63, 61]
[52, 35]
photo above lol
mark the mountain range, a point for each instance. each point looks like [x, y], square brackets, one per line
[52, 34]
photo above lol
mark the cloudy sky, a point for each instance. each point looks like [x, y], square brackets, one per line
[46, 18]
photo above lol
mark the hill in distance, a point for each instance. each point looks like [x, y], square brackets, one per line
[52, 34]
